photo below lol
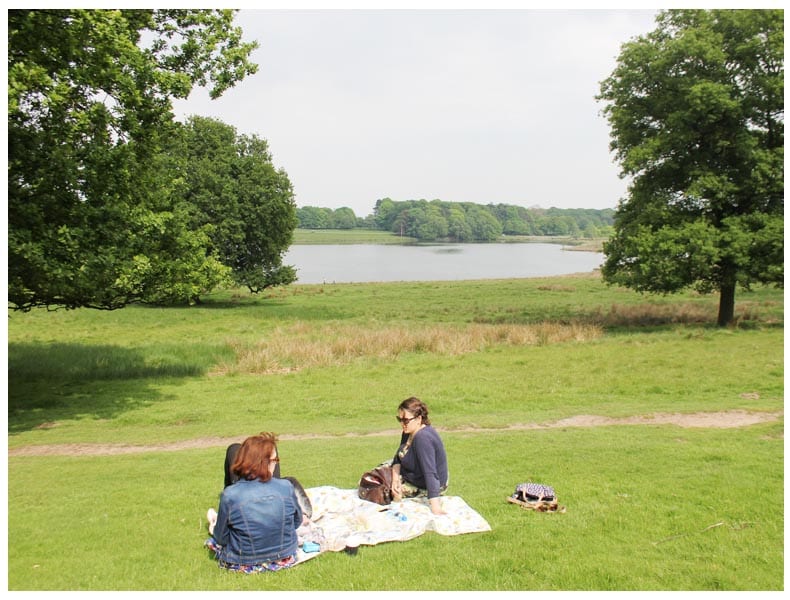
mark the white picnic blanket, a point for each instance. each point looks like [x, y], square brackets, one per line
[339, 514]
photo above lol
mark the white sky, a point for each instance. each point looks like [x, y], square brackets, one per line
[482, 106]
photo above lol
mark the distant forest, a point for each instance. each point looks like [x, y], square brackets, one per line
[437, 220]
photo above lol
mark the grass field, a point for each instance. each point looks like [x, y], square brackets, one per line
[117, 423]
[348, 236]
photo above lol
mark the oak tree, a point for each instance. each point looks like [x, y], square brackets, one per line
[696, 110]
[94, 216]
[243, 201]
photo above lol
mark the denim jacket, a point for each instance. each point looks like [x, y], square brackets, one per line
[257, 522]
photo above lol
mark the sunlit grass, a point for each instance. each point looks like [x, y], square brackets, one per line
[348, 236]
[648, 508]
[653, 507]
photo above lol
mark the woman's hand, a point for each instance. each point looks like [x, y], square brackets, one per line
[436, 506]
[397, 490]
[396, 487]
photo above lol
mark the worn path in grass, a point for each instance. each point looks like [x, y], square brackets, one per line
[724, 419]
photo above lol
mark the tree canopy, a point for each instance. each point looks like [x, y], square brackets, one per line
[696, 110]
[245, 204]
[94, 216]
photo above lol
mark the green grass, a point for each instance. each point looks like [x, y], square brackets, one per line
[348, 236]
[638, 502]
[650, 507]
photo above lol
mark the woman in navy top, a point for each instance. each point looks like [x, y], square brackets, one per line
[420, 464]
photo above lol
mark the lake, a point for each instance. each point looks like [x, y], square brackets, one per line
[359, 263]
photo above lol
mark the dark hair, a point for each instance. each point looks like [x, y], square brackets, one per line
[416, 407]
[253, 458]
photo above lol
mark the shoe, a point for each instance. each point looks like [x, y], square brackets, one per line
[211, 516]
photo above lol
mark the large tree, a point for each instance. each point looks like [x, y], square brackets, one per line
[696, 109]
[234, 190]
[94, 217]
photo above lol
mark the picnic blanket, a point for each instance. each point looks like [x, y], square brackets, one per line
[339, 514]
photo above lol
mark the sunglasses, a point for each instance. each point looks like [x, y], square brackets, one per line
[404, 420]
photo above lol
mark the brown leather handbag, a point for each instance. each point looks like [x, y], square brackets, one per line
[376, 485]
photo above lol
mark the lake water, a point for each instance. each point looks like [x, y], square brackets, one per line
[358, 263]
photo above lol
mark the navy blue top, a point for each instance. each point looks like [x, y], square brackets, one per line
[425, 463]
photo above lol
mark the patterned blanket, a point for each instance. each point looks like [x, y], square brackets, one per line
[339, 515]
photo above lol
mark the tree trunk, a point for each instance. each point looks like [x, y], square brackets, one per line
[726, 304]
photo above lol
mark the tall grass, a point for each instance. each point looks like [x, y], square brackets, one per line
[302, 345]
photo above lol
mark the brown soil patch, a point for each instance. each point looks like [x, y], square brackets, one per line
[734, 418]
[724, 419]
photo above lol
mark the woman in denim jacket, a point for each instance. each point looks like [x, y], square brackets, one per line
[259, 514]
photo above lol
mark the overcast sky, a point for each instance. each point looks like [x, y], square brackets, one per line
[482, 106]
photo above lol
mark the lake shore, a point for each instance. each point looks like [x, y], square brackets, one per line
[372, 236]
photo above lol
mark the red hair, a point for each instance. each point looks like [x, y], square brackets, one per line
[254, 457]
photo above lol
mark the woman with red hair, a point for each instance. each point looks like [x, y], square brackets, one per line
[259, 514]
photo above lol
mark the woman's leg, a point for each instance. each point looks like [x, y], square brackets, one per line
[409, 490]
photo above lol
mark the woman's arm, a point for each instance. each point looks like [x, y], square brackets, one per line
[221, 532]
[299, 519]
[397, 488]
[426, 456]
[436, 506]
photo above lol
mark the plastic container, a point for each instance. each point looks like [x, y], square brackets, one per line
[311, 547]
[352, 545]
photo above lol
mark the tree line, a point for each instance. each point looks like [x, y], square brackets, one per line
[438, 220]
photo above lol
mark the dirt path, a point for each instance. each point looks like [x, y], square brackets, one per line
[725, 419]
